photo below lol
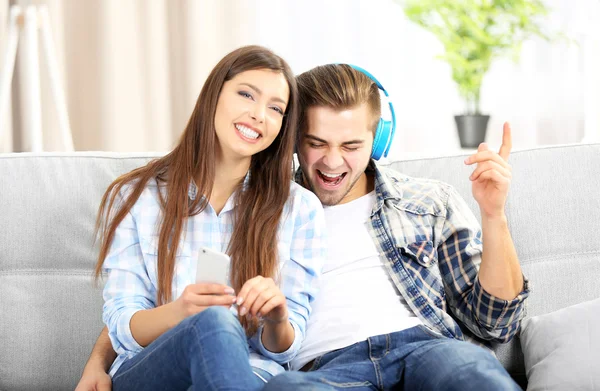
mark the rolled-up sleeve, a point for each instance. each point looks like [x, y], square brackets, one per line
[497, 314]
[128, 288]
[300, 274]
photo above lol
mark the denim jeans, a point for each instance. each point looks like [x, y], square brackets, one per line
[207, 351]
[412, 359]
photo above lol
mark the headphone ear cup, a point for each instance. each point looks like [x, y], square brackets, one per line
[378, 148]
[386, 136]
[385, 129]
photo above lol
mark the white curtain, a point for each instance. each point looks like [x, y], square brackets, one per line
[132, 69]
[6, 141]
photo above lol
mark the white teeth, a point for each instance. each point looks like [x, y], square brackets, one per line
[331, 175]
[247, 132]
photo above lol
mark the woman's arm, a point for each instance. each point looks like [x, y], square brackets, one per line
[278, 337]
[147, 325]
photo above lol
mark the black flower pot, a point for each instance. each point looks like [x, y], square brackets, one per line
[471, 129]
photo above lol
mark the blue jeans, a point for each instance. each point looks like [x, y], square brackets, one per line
[207, 351]
[412, 359]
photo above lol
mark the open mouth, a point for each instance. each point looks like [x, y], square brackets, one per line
[330, 179]
[246, 133]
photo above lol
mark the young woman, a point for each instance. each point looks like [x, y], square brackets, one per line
[227, 186]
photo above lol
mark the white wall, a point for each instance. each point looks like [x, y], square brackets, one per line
[551, 96]
[133, 69]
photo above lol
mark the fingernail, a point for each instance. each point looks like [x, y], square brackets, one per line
[243, 311]
[229, 291]
[233, 300]
[467, 161]
[240, 300]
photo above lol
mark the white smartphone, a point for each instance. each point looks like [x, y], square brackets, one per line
[213, 266]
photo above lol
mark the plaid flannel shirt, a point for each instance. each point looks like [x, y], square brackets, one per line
[430, 243]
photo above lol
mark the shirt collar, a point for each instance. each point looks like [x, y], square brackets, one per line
[384, 187]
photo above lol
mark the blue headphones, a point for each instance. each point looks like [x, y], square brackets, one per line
[385, 129]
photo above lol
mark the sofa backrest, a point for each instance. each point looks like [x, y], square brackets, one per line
[50, 309]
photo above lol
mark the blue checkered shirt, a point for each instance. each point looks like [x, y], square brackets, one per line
[430, 243]
[132, 259]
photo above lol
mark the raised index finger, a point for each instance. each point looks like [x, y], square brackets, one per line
[506, 142]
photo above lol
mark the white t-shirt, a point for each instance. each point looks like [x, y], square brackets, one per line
[357, 299]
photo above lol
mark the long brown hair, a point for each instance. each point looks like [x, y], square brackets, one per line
[253, 244]
[339, 87]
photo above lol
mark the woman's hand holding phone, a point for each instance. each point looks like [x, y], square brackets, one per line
[147, 325]
[198, 297]
[210, 289]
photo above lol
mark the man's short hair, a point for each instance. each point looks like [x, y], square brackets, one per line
[338, 87]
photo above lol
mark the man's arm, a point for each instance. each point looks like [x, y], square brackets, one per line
[95, 374]
[500, 273]
[486, 289]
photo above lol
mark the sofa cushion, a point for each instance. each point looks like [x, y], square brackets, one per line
[562, 349]
[50, 310]
[50, 307]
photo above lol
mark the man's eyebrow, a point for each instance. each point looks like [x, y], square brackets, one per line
[353, 142]
[315, 138]
[350, 142]
[255, 88]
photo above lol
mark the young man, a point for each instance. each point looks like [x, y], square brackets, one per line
[407, 278]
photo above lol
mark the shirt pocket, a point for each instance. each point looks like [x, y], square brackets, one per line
[421, 257]
[184, 271]
[421, 252]
[149, 246]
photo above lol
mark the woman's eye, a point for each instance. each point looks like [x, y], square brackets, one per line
[245, 94]
[277, 109]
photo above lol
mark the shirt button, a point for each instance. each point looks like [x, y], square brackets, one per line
[425, 258]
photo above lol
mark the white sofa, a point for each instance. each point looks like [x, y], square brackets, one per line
[50, 310]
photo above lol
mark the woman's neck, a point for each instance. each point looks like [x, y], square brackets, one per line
[228, 175]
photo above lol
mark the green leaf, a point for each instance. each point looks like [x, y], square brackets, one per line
[474, 32]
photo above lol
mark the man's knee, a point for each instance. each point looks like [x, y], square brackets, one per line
[463, 364]
[460, 354]
[486, 374]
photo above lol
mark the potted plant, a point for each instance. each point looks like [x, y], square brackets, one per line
[475, 32]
